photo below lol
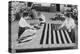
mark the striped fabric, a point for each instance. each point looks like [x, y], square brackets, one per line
[51, 36]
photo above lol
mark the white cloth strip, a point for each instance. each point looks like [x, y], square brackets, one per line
[68, 36]
[59, 38]
[27, 39]
[49, 33]
[54, 37]
[45, 34]
[63, 36]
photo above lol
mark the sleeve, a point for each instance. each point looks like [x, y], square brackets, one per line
[63, 24]
[43, 17]
[23, 23]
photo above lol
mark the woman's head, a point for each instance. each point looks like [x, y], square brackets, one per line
[68, 15]
[25, 14]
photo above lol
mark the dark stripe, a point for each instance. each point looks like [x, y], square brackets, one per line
[43, 32]
[66, 36]
[52, 34]
[72, 35]
[61, 37]
[56, 37]
[47, 38]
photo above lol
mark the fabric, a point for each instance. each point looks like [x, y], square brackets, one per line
[27, 33]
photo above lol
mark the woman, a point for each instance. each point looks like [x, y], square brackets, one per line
[68, 23]
[24, 26]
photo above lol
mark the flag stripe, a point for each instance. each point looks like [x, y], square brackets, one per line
[52, 41]
[43, 33]
[49, 33]
[63, 36]
[68, 36]
[59, 37]
[56, 37]
[47, 38]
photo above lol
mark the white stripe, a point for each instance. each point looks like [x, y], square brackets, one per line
[49, 33]
[27, 39]
[59, 37]
[54, 37]
[63, 36]
[45, 34]
[68, 36]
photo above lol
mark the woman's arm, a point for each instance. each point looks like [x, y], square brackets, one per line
[62, 25]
